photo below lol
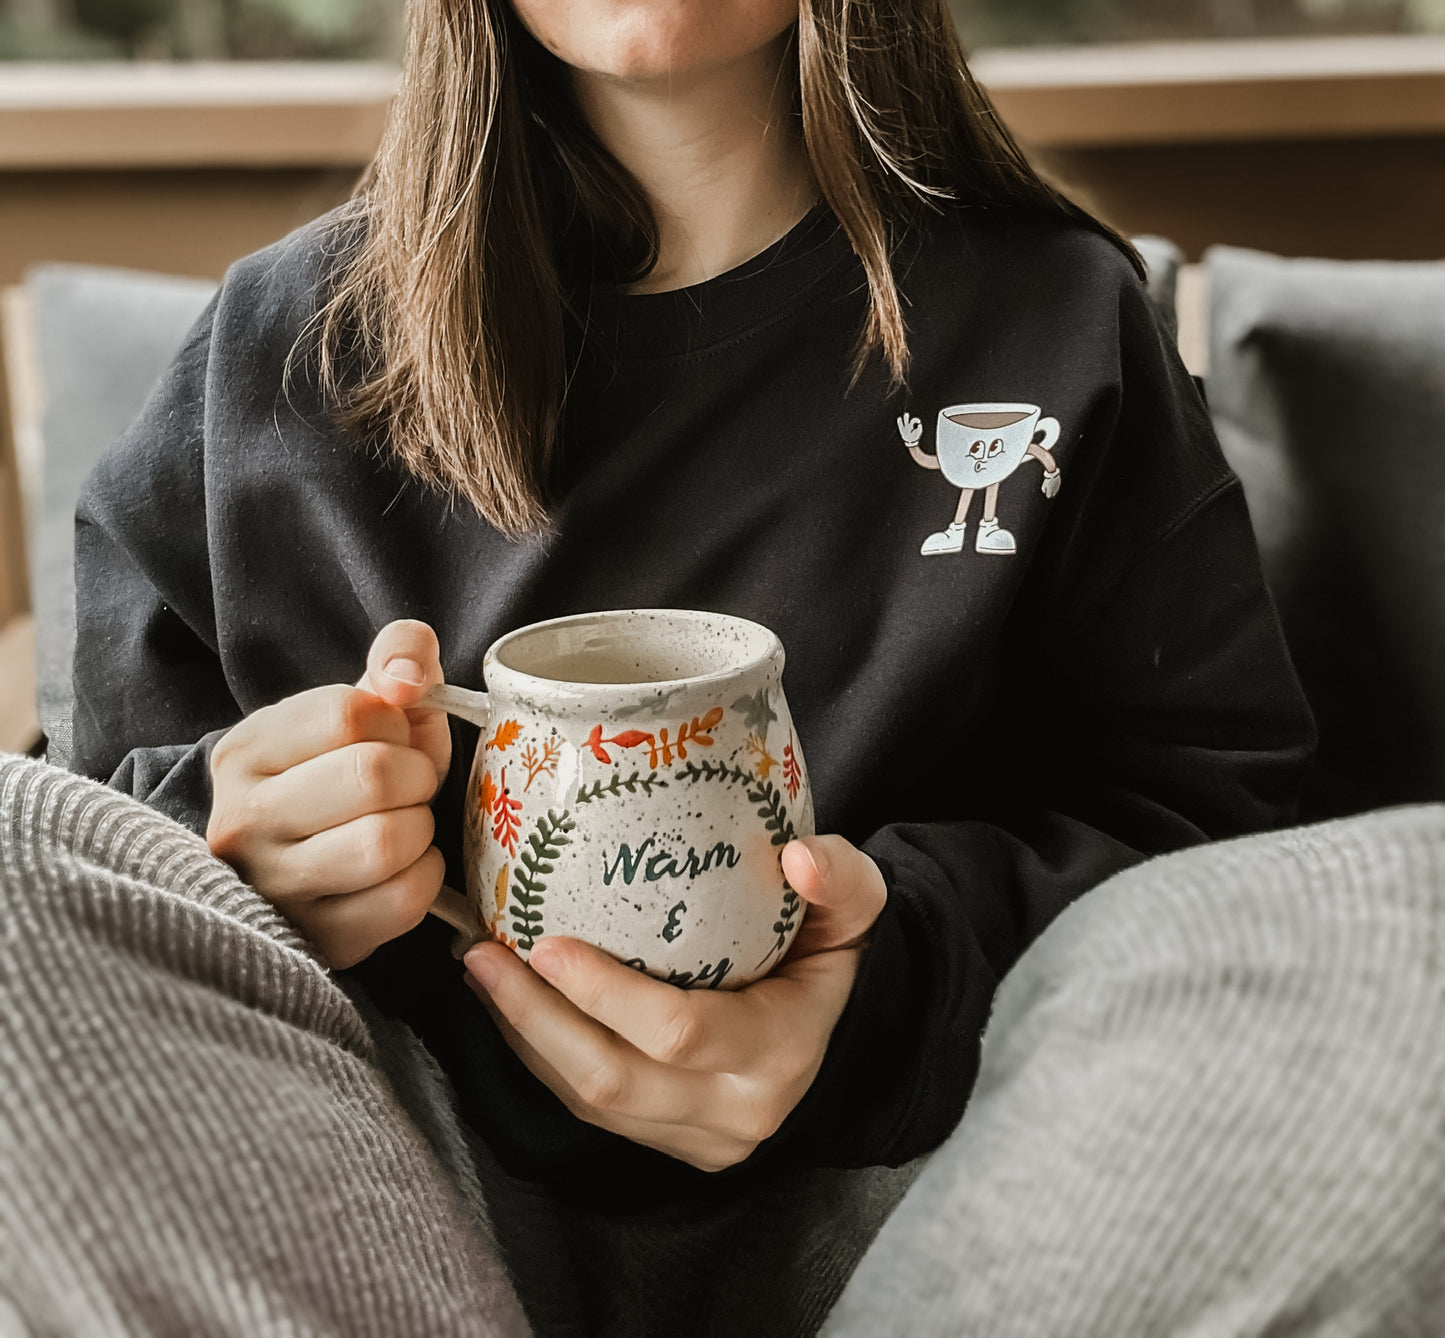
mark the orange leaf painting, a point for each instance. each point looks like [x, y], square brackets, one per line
[505, 823]
[594, 742]
[766, 761]
[538, 764]
[499, 892]
[792, 770]
[706, 725]
[505, 736]
[629, 738]
[660, 746]
[488, 794]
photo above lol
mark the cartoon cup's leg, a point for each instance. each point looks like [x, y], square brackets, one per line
[951, 539]
[990, 538]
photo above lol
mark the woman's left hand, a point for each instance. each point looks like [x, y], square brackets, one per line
[702, 1075]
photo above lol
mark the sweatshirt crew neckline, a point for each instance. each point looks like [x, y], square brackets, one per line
[683, 322]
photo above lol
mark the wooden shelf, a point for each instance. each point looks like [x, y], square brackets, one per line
[1213, 92]
[67, 117]
[139, 116]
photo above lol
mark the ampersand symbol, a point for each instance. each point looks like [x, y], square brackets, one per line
[672, 929]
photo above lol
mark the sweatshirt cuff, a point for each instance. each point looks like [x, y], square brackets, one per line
[174, 779]
[851, 1114]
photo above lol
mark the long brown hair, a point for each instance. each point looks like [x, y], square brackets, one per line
[490, 199]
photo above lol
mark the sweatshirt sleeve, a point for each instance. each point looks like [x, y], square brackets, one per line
[1151, 704]
[151, 697]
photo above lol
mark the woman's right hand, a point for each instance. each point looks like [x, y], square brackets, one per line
[320, 802]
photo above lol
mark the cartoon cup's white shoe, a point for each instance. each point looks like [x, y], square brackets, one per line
[945, 541]
[991, 539]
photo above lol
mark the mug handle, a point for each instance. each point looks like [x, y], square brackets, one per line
[450, 905]
[457, 911]
[1050, 429]
[474, 706]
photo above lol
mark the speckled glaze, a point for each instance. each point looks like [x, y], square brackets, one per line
[634, 786]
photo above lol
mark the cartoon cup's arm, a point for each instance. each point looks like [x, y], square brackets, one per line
[1045, 458]
[1052, 478]
[911, 430]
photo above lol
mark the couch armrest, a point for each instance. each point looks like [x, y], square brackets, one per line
[1191, 304]
[19, 724]
[14, 569]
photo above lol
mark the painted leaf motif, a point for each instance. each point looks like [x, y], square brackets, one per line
[505, 736]
[488, 792]
[757, 711]
[766, 761]
[505, 823]
[792, 772]
[537, 765]
[702, 729]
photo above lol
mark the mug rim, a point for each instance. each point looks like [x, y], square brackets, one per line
[499, 675]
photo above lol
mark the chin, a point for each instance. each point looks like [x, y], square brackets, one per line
[644, 40]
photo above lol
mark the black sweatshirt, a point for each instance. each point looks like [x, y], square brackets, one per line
[999, 730]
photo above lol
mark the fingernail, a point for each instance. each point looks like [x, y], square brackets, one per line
[404, 670]
[817, 859]
[483, 970]
[546, 961]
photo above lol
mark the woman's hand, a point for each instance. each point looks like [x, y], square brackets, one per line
[320, 801]
[702, 1075]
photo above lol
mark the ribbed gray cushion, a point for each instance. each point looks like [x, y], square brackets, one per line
[1327, 386]
[217, 1142]
[102, 337]
[1208, 1107]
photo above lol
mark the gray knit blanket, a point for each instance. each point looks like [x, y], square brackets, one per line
[1212, 1104]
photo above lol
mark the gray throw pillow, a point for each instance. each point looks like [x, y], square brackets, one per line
[1162, 260]
[1327, 386]
[102, 339]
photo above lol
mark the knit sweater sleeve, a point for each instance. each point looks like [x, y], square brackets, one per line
[151, 697]
[1150, 704]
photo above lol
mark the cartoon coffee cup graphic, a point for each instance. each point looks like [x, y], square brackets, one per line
[979, 446]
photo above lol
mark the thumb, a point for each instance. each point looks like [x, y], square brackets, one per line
[403, 662]
[843, 887]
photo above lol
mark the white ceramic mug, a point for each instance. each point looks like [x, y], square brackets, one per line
[636, 780]
[979, 445]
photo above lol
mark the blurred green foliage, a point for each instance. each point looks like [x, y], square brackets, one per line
[201, 29]
[1025, 22]
[342, 29]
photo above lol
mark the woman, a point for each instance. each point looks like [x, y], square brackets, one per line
[731, 305]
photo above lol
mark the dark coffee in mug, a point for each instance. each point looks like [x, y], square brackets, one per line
[986, 421]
